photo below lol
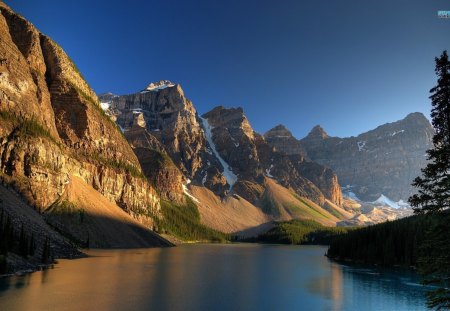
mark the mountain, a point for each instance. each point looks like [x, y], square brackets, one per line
[220, 159]
[61, 153]
[117, 170]
[380, 163]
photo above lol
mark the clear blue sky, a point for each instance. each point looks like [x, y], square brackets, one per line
[347, 65]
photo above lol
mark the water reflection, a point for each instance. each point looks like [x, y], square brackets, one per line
[210, 277]
[329, 285]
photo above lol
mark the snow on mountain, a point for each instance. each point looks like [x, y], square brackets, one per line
[229, 175]
[403, 204]
[268, 171]
[386, 201]
[361, 145]
[397, 132]
[186, 191]
[105, 105]
[351, 195]
[156, 86]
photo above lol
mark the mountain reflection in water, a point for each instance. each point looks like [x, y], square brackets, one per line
[211, 277]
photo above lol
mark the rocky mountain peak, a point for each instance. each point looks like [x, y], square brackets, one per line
[279, 131]
[395, 152]
[283, 141]
[230, 118]
[317, 132]
[160, 85]
[416, 119]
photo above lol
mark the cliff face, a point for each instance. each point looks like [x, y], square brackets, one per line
[283, 141]
[383, 161]
[168, 116]
[219, 150]
[157, 165]
[321, 177]
[52, 127]
[251, 158]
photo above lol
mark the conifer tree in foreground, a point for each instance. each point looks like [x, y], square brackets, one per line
[433, 197]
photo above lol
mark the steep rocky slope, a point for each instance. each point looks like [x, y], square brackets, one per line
[52, 128]
[383, 161]
[373, 166]
[21, 216]
[219, 151]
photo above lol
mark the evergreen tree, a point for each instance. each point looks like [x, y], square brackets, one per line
[433, 196]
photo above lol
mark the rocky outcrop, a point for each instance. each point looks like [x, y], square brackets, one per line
[252, 158]
[234, 140]
[52, 127]
[219, 150]
[298, 164]
[170, 117]
[324, 179]
[383, 161]
[283, 141]
[157, 165]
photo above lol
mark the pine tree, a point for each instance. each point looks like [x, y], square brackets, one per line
[433, 197]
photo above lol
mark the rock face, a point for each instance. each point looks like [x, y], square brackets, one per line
[283, 141]
[251, 158]
[170, 117]
[219, 150]
[157, 165]
[383, 161]
[52, 127]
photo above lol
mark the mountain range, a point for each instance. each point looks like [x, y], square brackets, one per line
[124, 170]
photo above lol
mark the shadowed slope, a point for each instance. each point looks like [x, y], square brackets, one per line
[90, 219]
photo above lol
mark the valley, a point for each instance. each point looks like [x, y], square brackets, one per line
[144, 169]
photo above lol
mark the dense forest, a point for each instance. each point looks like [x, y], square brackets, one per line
[184, 223]
[299, 232]
[390, 243]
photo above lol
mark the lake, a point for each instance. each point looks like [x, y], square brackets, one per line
[211, 277]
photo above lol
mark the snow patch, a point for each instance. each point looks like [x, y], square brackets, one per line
[268, 171]
[361, 145]
[161, 85]
[186, 191]
[348, 193]
[227, 172]
[351, 195]
[204, 178]
[386, 201]
[397, 132]
[403, 204]
[105, 105]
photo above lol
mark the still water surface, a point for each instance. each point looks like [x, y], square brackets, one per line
[211, 277]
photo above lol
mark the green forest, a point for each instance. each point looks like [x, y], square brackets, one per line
[390, 243]
[296, 232]
[183, 221]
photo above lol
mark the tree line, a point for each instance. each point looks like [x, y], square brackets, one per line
[20, 243]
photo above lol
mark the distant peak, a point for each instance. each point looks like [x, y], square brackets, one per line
[278, 131]
[318, 132]
[221, 110]
[160, 85]
[279, 127]
[415, 116]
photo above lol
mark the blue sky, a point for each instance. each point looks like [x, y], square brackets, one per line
[346, 65]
